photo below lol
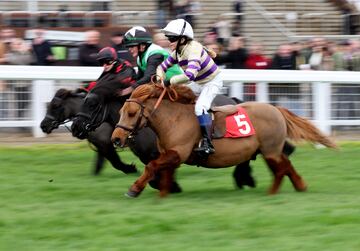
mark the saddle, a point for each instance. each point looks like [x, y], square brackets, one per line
[224, 126]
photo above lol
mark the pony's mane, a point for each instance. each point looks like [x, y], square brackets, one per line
[62, 93]
[178, 93]
[65, 93]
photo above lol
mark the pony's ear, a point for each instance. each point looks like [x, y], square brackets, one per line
[80, 90]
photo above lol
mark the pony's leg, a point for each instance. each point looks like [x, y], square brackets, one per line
[110, 153]
[166, 181]
[99, 163]
[155, 182]
[279, 172]
[283, 167]
[242, 175]
[298, 183]
[167, 159]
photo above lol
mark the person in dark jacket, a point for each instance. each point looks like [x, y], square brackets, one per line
[42, 49]
[117, 42]
[284, 59]
[236, 56]
[88, 51]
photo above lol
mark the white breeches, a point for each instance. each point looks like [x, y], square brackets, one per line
[206, 93]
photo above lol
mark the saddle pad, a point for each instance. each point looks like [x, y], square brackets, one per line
[239, 125]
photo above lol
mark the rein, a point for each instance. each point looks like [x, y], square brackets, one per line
[89, 126]
[173, 95]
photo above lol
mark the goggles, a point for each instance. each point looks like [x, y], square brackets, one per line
[172, 39]
[105, 61]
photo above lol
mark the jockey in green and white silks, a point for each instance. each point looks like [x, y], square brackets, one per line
[148, 55]
[200, 73]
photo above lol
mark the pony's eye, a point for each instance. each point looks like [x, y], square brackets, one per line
[131, 114]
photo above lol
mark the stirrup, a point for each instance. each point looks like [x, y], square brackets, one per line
[205, 148]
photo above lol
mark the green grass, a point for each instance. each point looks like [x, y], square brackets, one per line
[50, 201]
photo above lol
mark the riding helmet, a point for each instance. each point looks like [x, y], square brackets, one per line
[137, 35]
[107, 54]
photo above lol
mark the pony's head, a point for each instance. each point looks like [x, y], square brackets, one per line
[91, 116]
[60, 109]
[134, 114]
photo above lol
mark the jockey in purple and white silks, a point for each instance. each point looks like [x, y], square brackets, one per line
[200, 73]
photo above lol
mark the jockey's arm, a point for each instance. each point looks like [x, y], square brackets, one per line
[153, 62]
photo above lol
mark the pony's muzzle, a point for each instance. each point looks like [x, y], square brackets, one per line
[118, 137]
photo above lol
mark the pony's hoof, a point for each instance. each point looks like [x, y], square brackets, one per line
[302, 189]
[130, 169]
[132, 194]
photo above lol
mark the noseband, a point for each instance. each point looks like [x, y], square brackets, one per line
[136, 128]
[55, 123]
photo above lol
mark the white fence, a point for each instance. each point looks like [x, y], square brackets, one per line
[327, 98]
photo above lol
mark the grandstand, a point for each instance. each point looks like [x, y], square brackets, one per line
[265, 20]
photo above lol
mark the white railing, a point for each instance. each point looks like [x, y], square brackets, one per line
[321, 86]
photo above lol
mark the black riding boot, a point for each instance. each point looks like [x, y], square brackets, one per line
[206, 146]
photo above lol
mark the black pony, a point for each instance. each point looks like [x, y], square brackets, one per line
[62, 108]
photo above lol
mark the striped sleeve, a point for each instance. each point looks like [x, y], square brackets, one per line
[170, 61]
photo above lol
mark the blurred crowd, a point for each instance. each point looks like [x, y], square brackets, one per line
[224, 37]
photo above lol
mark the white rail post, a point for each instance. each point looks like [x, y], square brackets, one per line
[262, 92]
[42, 92]
[237, 90]
[322, 106]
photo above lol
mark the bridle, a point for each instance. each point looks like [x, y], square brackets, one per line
[55, 123]
[136, 128]
[90, 124]
[132, 131]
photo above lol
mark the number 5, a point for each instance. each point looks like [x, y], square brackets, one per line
[240, 123]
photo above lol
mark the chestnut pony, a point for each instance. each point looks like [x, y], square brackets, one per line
[172, 118]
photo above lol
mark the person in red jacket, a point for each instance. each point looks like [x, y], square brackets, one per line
[256, 60]
[113, 68]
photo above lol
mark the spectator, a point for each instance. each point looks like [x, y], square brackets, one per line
[163, 8]
[284, 59]
[236, 56]
[210, 37]
[6, 35]
[88, 51]
[188, 9]
[285, 94]
[316, 55]
[42, 49]
[238, 10]
[161, 40]
[223, 30]
[256, 60]
[20, 54]
[299, 53]
[117, 42]
[238, 7]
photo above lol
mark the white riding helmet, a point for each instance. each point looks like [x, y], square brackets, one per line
[179, 27]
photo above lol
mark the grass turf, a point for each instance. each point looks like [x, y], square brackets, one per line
[50, 201]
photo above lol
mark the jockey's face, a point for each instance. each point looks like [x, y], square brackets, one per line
[173, 45]
[108, 66]
[134, 51]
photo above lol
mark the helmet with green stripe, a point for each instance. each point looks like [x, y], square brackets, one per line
[137, 35]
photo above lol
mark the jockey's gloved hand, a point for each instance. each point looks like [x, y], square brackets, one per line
[166, 83]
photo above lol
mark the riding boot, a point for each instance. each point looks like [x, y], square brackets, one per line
[206, 146]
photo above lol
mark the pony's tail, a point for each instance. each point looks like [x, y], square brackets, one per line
[299, 128]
